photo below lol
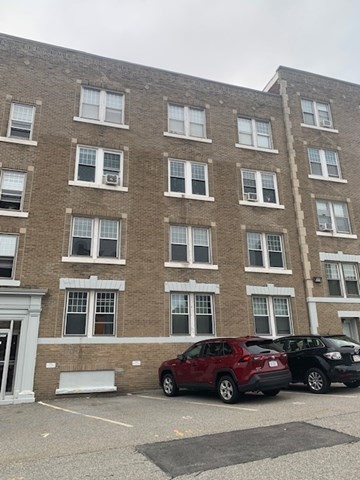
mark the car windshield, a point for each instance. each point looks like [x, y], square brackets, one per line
[344, 341]
[262, 346]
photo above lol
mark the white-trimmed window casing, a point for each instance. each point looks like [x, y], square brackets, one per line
[8, 251]
[343, 279]
[190, 247]
[188, 179]
[266, 253]
[186, 121]
[316, 114]
[192, 314]
[255, 133]
[12, 190]
[324, 164]
[333, 217]
[259, 188]
[272, 315]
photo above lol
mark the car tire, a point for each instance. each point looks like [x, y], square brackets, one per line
[270, 393]
[354, 384]
[227, 389]
[169, 386]
[317, 381]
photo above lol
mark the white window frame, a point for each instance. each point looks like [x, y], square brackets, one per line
[266, 268]
[330, 228]
[259, 200]
[9, 281]
[190, 249]
[318, 123]
[100, 178]
[341, 277]
[102, 108]
[13, 212]
[270, 300]
[95, 244]
[192, 314]
[187, 122]
[254, 135]
[324, 165]
[91, 305]
[188, 180]
[25, 139]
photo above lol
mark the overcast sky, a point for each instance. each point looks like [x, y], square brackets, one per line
[240, 42]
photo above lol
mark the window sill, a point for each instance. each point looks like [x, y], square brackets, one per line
[13, 213]
[116, 188]
[204, 198]
[5, 282]
[336, 235]
[19, 141]
[327, 179]
[268, 270]
[98, 122]
[105, 261]
[65, 391]
[258, 149]
[323, 129]
[199, 266]
[259, 204]
[185, 137]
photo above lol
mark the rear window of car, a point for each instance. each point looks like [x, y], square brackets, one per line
[261, 346]
[344, 341]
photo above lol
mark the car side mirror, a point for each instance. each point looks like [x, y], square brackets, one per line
[181, 357]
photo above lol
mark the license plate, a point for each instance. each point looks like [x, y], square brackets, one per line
[356, 358]
[274, 363]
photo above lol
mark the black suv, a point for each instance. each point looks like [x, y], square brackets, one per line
[319, 360]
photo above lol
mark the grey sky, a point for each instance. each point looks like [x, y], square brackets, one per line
[234, 41]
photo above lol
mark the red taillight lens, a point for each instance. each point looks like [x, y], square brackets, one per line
[245, 358]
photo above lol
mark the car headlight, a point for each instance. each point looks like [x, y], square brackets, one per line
[333, 355]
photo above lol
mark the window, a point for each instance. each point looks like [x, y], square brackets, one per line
[11, 190]
[192, 314]
[190, 244]
[316, 113]
[265, 250]
[102, 106]
[333, 216]
[186, 121]
[21, 121]
[7, 255]
[95, 238]
[324, 163]
[90, 313]
[254, 133]
[99, 166]
[188, 177]
[271, 315]
[343, 279]
[259, 186]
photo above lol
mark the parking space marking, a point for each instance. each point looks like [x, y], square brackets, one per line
[329, 395]
[202, 403]
[86, 415]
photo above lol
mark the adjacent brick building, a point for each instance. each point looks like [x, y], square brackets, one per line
[142, 209]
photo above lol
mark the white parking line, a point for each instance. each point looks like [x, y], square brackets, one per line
[85, 415]
[202, 403]
[329, 395]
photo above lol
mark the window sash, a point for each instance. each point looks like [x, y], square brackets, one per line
[272, 315]
[191, 314]
[12, 185]
[93, 164]
[265, 250]
[314, 113]
[262, 184]
[190, 244]
[333, 214]
[186, 121]
[343, 279]
[256, 133]
[187, 177]
[102, 105]
[324, 163]
[21, 121]
[95, 238]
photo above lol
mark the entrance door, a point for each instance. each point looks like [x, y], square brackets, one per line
[349, 327]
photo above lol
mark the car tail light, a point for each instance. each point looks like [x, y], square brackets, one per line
[245, 358]
[333, 355]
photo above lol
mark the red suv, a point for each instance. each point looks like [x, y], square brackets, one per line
[229, 365]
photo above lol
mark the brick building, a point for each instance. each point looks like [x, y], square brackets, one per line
[142, 209]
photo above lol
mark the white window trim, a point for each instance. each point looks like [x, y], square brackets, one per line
[268, 270]
[270, 290]
[187, 122]
[259, 190]
[102, 108]
[95, 243]
[190, 250]
[333, 233]
[99, 168]
[192, 286]
[32, 121]
[192, 315]
[271, 314]
[14, 213]
[324, 166]
[188, 180]
[263, 205]
[339, 257]
[324, 129]
[258, 149]
[90, 315]
[327, 179]
[341, 279]
[189, 196]
[187, 137]
[336, 235]
[266, 256]
[99, 122]
[10, 281]
[20, 141]
[316, 114]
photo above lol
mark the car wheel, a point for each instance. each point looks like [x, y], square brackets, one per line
[228, 390]
[270, 393]
[317, 381]
[352, 384]
[169, 385]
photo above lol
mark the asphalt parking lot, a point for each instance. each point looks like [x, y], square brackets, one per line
[147, 436]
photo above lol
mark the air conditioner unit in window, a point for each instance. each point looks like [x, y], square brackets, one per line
[111, 179]
[326, 227]
[325, 123]
[250, 197]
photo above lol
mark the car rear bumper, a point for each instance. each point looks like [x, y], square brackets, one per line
[267, 381]
[345, 373]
